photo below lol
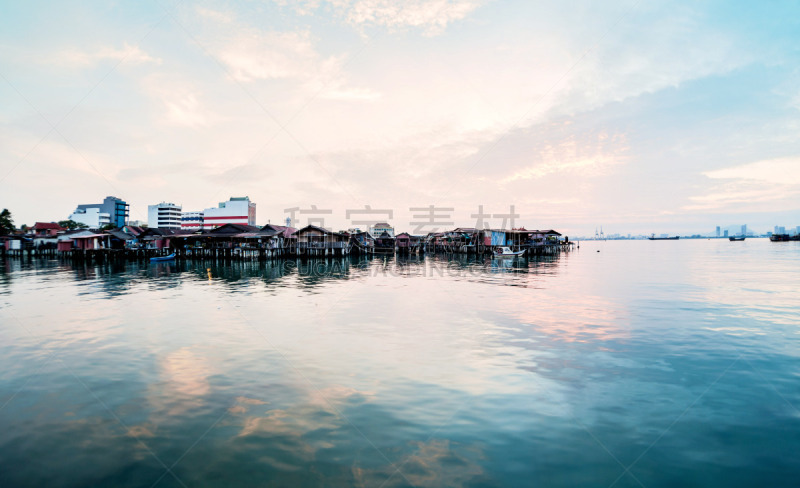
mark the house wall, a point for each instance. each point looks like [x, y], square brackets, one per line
[84, 244]
[304, 237]
[65, 245]
[42, 240]
[91, 216]
[498, 238]
[234, 211]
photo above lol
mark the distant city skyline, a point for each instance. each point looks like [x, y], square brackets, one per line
[641, 117]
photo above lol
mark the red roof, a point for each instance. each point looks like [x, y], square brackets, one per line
[46, 225]
[284, 230]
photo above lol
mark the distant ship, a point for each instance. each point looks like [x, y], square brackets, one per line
[733, 238]
[784, 237]
[654, 238]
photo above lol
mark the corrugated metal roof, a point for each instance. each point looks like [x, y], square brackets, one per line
[120, 235]
[46, 225]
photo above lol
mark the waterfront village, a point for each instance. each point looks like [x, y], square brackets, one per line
[228, 231]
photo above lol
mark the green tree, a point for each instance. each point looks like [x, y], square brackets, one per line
[71, 224]
[6, 223]
[108, 227]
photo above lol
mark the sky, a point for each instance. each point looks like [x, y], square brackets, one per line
[635, 116]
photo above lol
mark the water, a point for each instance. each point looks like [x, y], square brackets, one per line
[670, 363]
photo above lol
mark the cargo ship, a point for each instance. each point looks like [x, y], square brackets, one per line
[654, 238]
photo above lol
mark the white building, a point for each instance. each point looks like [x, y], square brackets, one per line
[237, 210]
[112, 210]
[192, 220]
[164, 216]
[92, 217]
[381, 227]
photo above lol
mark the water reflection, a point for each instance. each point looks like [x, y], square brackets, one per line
[5, 276]
[113, 279]
[408, 371]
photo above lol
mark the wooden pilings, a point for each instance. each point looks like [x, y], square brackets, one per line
[29, 252]
[199, 253]
[246, 253]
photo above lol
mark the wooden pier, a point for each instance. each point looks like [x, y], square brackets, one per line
[235, 242]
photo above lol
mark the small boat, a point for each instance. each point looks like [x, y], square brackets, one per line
[505, 252]
[163, 258]
[735, 238]
[654, 238]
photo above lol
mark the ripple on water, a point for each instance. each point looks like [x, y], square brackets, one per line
[680, 361]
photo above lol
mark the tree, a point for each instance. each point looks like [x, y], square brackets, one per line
[6, 223]
[71, 224]
[108, 227]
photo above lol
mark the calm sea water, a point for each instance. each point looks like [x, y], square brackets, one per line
[644, 364]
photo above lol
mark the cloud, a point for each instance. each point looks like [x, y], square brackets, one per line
[770, 184]
[587, 158]
[182, 101]
[736, 195]
[432, 16]
[254, 55]
[58, 158]
[781, 171]
[77, 58]
[251, 54]
[647, 49]
[462, 117]
[215, 15]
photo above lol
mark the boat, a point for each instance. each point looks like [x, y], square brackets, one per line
[506, 252]
[784, 237]
[654, 238]
[732, 238]
[163, 258]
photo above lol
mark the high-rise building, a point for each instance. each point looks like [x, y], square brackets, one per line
[192, 220]
[744, 230]
[164, 216]
[237, 210]
[779, 229]
[725, 233]
[717, 231]
[113, 210]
